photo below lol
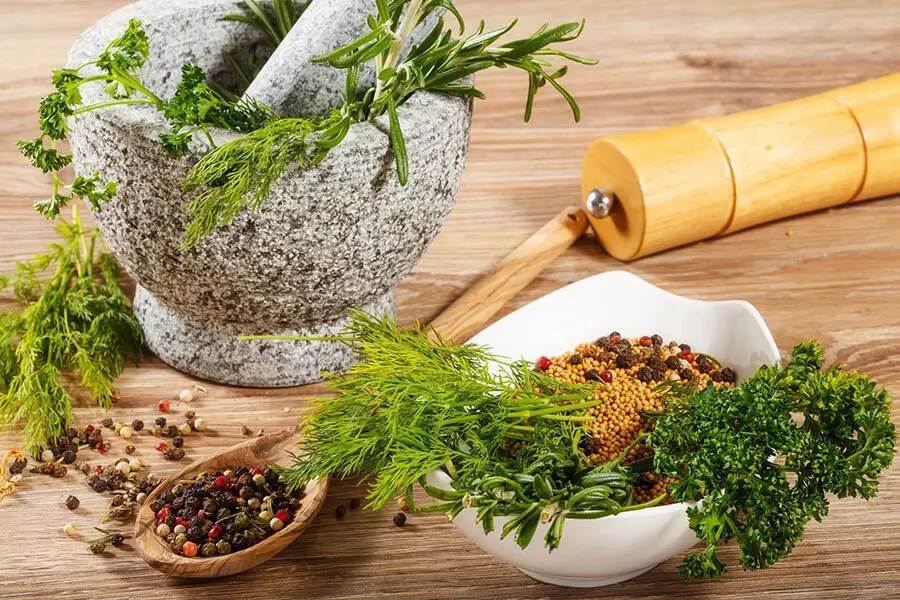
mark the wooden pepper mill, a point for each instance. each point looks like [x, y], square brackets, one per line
[651, 191]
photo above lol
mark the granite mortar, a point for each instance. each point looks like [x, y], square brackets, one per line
[338, 235]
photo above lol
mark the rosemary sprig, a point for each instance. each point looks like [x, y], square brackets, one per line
[78, 321]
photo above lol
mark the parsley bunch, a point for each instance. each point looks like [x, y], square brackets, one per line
[76, 322]
[761, 457]
[195, 107]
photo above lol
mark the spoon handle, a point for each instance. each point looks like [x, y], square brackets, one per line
[471, 311]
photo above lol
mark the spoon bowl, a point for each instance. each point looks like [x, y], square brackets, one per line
[257, 452]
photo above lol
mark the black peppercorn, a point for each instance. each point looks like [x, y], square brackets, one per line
[68, 457]
[625, 358]
[686, 375]
[129, 449]
[137, 424]
[400, 519]
[655, 363]
[592, 375]
[646, 374]
[156, 506]
[615, 334]
[576, 359]
[160, 421]
[728, 375]
[72, 502]
[172, 431]
[178, 441]
[107, 422]
[171, 521]
[656, 339]
[340, 511]
[673, 362]
[210, 507]
[18, 466]
[705, 365]
[194, 533]
[354, 503]
[246, 492]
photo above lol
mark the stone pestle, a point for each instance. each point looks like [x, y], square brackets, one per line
[294, 85]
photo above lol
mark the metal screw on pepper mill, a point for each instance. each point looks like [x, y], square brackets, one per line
[599, 203]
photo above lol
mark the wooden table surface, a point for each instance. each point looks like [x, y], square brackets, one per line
[834, 276]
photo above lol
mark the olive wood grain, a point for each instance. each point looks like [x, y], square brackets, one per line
[471, 311]
[259, 451]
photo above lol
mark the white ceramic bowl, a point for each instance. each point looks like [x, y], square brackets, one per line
[612, 549]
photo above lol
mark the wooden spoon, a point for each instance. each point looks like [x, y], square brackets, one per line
[257, 452]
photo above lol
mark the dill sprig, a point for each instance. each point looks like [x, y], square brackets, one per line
[413, 404]
[76, 322]
[442, 62]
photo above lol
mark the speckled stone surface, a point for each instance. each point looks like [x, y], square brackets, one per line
[211, 350]
[339, 235]
[293, 85]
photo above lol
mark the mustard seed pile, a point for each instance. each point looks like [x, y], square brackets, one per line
[634, 373]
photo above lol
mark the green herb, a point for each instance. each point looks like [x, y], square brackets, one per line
[413, 405]
[195, 107]
[275, 22]
[440, 63]
[762, 476]
[510, 440]
[76, 322]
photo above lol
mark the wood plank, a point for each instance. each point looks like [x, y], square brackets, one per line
[837, 278]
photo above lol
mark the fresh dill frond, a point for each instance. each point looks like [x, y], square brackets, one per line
[78, 321]
[239, 175]
[413, 404]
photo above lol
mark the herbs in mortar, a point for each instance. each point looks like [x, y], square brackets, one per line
[238, 175]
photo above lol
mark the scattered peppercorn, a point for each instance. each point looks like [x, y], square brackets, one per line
[576, 359]
[543, 363]
[160, 421]
[354, 503]
[163, 405]
[399, 519]
[137, 425]
[174, 453]
[72, 502]
[107, 422]
[340, 511]
[178, 441]
[129, 449]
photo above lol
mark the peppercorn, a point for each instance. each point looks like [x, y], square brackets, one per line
[673, 362]
[240, 541]
[245, 430]
[208, 549]
[98, 547]
[174, 454]
[543, 363]
[684, 347]
[399, 519]
[190, 414]
[625, 358]
[686, 375]
[576, 359]
[72, 502]
[655, 363]
[729, 375]
[18, 466]
[354, 503]
[340, 511]
[117, 500]
[178, 441]
[189, 549]
[172, 431]
[68, 457]
[245, 492]
[163, 405]
[58, 471]
[107, 422]
[160, 421]
[223, 547]
[137, 424]
[656, 339]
